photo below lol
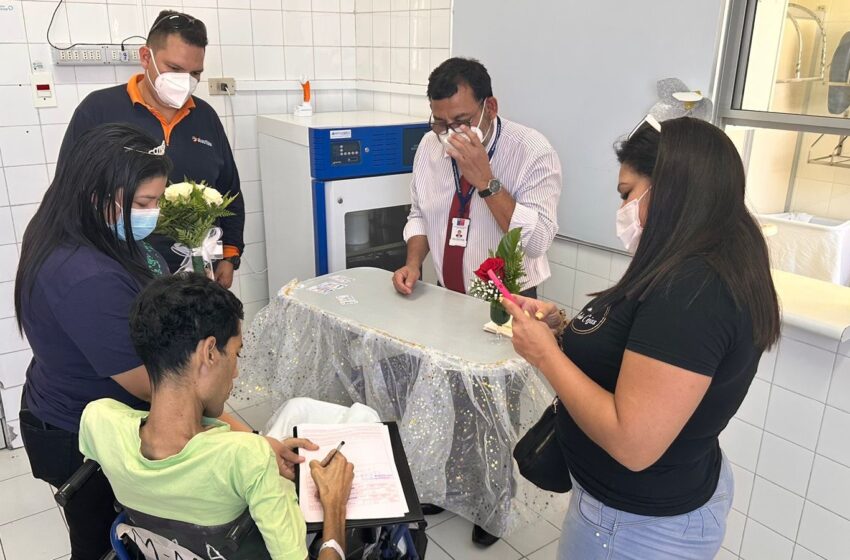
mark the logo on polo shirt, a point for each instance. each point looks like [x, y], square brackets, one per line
[589, 320]
[197, 140]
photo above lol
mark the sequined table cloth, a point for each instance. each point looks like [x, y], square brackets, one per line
[462, 397]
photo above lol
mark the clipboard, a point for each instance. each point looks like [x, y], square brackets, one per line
[414, 508]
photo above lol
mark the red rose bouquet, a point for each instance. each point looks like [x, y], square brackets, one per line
[506, 263]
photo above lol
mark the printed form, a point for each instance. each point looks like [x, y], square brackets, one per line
[376, 492]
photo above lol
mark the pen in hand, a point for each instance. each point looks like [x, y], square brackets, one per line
[326, 461]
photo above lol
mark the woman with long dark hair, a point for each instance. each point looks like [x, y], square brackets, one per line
[83, 261]
[650, 371]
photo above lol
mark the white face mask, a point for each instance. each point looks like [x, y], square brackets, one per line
[628, 224]
[444, 138]
[173, 88]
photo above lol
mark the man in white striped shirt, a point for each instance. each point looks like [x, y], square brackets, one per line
[474, 178]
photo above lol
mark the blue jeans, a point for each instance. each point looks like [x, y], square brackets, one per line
[593, 531]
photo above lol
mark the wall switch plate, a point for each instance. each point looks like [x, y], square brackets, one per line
[222, 86]
[43, 92]
[97, 55]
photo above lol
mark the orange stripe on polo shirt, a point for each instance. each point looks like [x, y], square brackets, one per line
[136, 97]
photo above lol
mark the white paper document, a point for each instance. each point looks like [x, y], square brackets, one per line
[376, 492]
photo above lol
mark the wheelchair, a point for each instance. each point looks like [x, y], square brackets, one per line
[136, 536]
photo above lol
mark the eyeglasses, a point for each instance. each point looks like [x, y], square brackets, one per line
[647, 120]
[441, 127]
[176, 22]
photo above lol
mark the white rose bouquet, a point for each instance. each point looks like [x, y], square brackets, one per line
[188, 213]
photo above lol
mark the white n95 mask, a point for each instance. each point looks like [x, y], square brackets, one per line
[173, 88]
[629, 229]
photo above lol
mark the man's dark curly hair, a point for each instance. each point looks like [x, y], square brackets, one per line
[447, 78]
[173, 314]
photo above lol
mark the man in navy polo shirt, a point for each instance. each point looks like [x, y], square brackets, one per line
[160, 101]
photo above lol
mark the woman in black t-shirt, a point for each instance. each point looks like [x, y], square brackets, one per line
[650, 372]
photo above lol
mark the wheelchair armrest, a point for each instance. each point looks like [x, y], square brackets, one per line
[75, 482]
[242, 528]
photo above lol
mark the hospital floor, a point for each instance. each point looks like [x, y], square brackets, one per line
[32, 526]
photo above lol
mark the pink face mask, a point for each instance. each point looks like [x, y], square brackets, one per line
[629, 228]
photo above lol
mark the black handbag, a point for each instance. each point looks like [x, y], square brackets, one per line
[539, 455]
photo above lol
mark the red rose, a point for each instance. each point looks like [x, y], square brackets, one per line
[495, 264]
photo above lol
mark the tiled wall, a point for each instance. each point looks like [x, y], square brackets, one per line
[788, 443]
[251, 40]
[398, 43]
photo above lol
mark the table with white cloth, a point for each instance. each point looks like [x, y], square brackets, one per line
[461, 396]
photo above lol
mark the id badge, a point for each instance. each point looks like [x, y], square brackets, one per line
[460, 232]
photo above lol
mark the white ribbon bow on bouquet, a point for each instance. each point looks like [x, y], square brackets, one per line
[209, 250]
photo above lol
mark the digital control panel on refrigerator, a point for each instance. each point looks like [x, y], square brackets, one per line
[345, 152]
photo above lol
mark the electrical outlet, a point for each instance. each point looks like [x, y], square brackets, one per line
[97, 55]
[222, 86]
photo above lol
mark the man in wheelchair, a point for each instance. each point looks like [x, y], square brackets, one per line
[179, 472]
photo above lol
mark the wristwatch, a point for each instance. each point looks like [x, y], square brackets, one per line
[493, 186]
[235, 260]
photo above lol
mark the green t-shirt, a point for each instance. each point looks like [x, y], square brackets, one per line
[209, 482]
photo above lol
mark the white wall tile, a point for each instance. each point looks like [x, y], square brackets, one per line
[794, 417]
[237, 28]
[13, 367]
[124, 22]
[21, 216]
[785, 463]
[210, 18]
[267, 27]
[382, 101]
[328, 63]
[364, 63]
[7, 226]
[441, 29]
[834, 441]
[804, 369]
[265, 4]
[349, 96]
[754, 407]
[839, 391]
[103, 76]
[381, 64]
[10, 339]
[17, 106]
[297, 29]
[381, 29]
[253, 197]
[254, 232]
[254, 287]
[237, 61]
[594, 261]
[830, 486]
[249, 167]
[346, 6]
[349, 64]
[760, 543]
[16, 64]
[722, 554]
[420, 4]
[89, 23]
[326, 30]
[399, 5]
[365, 101]
[12, 29]
[584, 286]
[436, 4]
[269, 63]
[767, 364]
[400, 29]
[246, 132]
[61, 74]
[420, 29]
[399, 103]
[363, 30]
[807, 336]
[325, 5]
[299, 62]
[744, 481]
[26, 183]
[438, 56]
[21, 145]
[271, 103]
[347, 30]
[400, 65]
[8, 261]
[66, 102]
[775, 507]
[561, 252]
[4, 193]
[741, 441]
[53, 134]
[37, 17]
[363, 6]
[297, 5]
[420, 106]
[619, 264]
[824, 532]
[380, 5]
[328, 100]
[420, 66]
[561, 285]
[7, 301]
